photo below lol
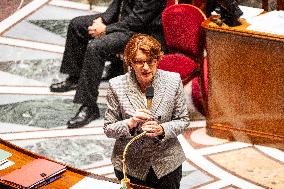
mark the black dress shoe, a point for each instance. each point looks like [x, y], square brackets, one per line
[85, 115]
[64, 86]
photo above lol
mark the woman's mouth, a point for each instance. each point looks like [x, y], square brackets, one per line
[146, 74]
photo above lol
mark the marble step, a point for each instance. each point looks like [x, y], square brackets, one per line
[40, 90]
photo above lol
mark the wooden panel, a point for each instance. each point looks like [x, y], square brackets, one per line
[246, 85]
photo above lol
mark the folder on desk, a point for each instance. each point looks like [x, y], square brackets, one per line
[36, 173]
[4, 155]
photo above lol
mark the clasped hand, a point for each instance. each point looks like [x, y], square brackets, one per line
[144, 116]
[98, 28]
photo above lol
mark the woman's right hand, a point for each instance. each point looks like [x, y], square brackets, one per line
[139, 116]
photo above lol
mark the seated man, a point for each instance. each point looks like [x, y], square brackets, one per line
[92, 39]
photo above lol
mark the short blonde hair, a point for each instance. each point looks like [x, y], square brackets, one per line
[148, 44]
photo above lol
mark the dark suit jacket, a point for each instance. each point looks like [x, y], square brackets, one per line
[168, 106]
[140, 16]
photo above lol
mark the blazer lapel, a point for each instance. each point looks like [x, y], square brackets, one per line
[135, 97]
[133, 93]
[159, 89]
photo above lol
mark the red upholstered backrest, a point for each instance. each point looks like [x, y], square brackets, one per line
[178, 63]
[182, 29]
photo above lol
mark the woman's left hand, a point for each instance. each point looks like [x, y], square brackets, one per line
[152, 128]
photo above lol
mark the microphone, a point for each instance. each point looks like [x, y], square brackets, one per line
[149, 96]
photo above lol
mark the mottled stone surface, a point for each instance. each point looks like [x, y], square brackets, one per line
[251, 3]
[8, 7]
[252, 165]
[9, 53]
[94, 2]
[192, 177]
[34, 33]
[74, 152]
[51, 12]
[258, 3]
[44, 70]
[56, 26]
[44, 113]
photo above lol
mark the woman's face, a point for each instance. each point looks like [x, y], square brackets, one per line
[144, 68]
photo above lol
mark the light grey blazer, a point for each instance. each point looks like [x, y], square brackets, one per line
[169, 108]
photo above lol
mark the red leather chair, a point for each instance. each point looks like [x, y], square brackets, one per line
[185, 41]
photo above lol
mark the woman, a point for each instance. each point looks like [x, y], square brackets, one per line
[155, 159]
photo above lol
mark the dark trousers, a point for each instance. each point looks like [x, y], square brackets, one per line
[169, 181]
[84, 57]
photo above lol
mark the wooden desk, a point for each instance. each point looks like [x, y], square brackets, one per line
[246, 85]
[69, 178]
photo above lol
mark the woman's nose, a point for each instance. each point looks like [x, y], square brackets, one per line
[145, 66]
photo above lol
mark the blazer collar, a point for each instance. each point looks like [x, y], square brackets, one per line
[133, 93]
[136, 97]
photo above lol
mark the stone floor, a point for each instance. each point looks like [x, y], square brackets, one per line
[31, 46]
